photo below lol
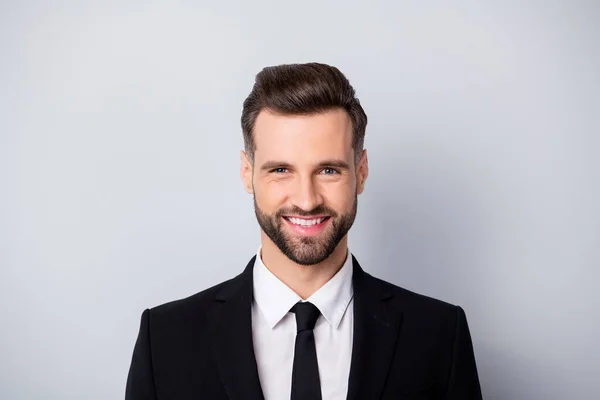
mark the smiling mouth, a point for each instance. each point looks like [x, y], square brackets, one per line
[306, 222]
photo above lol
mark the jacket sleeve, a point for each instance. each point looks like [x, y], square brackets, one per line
[463, 383]
[140, 381]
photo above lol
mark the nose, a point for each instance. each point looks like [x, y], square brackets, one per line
[308, 195]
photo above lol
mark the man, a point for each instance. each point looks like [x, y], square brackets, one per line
[303, 320]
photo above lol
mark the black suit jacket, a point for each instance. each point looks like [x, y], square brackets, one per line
[406, 346]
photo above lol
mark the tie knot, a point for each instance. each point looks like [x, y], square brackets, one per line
[306, 315]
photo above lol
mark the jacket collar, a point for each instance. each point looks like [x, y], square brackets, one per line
[375, 334]
[232, 338]
[376, 330]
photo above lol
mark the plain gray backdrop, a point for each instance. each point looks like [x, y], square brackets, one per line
[120, 190]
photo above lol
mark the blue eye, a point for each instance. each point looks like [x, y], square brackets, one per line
[329, 171]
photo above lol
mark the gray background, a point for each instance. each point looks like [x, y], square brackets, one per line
[119, 157]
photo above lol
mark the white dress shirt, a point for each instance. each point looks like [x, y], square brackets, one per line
[274, 332]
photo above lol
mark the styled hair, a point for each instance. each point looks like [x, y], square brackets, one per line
[302, 89]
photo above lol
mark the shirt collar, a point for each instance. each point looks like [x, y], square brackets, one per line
[275, 299]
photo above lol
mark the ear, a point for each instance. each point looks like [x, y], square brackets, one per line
[246, 172]
[362, 172]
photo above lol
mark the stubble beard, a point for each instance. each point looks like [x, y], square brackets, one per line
[307, 250]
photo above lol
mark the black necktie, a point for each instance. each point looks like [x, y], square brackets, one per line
[305, 374]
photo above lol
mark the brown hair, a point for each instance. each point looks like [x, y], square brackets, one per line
[297, 89]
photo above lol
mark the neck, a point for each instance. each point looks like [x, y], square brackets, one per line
[302, 279]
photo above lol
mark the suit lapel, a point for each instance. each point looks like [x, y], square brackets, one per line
[232, 338]
[375, 335]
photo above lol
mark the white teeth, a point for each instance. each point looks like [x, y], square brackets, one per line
[305, 222]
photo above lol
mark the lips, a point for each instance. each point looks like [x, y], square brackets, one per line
[306, 222]
[307, 226]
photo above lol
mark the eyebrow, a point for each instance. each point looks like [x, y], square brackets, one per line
[269, 165]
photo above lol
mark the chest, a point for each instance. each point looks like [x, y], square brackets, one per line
[274, 352]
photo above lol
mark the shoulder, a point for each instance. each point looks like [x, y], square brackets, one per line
[199, 302]
[193, 306]
[416, 308]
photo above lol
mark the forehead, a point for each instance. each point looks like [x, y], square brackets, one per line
[303, 137]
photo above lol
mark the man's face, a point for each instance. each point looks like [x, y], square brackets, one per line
[305, 181]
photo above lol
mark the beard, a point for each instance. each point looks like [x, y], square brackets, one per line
[306, 250]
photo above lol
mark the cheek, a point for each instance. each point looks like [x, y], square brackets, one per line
[340, 198]
[270, 196]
